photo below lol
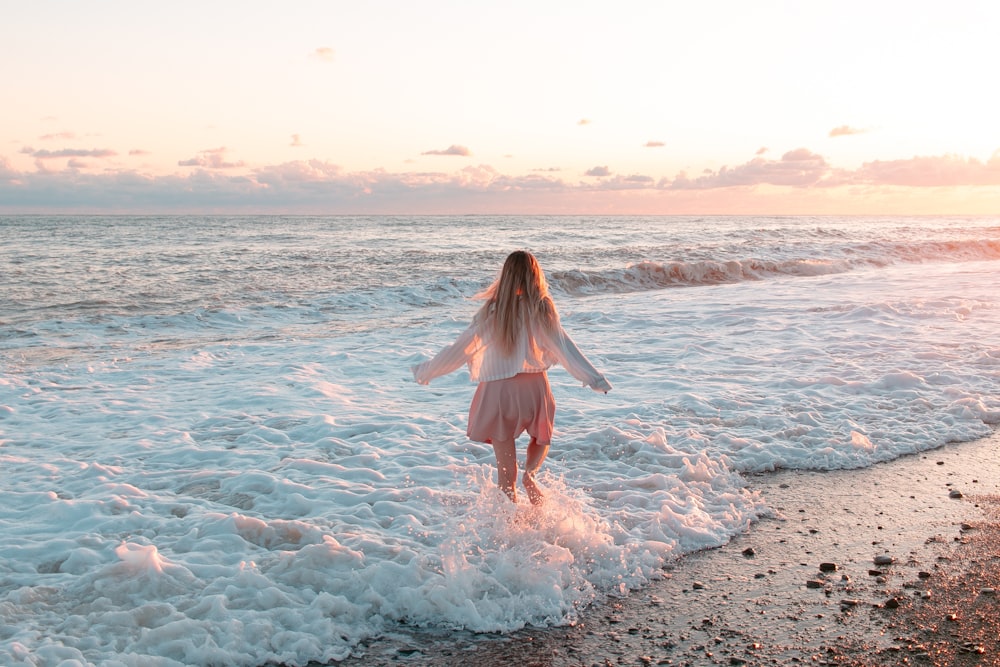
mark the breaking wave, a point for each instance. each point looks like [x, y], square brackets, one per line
[651, 275]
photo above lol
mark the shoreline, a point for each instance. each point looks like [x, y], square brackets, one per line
[763, 598]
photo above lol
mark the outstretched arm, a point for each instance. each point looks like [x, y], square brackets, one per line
[449, 359]
[573, 360]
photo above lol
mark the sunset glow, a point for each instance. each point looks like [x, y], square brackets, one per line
[514, 107]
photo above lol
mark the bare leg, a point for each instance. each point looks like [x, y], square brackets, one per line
[506, 454]
[536, 456]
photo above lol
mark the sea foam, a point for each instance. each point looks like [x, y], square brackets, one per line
[215, 453]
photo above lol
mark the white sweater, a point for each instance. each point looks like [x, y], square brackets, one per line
[536, 351]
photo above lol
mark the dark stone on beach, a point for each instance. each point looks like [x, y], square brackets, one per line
[955, 493]
[875, 573]
[892, 603]
[749, 552]
[924, 575]
[828, 567]
[971, 647]
[697, 585]
[814, 583]
[884, 560]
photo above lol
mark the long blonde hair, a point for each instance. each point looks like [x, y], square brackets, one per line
[520, 291]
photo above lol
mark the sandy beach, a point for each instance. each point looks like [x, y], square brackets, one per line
[896, 564]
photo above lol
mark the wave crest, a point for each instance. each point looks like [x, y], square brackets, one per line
[648, 275]
[651, 275]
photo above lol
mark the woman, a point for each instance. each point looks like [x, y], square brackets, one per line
[513, 339]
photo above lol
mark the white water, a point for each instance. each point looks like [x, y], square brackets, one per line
[212, 450]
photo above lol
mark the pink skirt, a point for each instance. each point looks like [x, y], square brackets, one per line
[503, 409]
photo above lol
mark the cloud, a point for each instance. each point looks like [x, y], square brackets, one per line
[801, 168]
[454, 149]
[798, 168]
[323, 53]
[932, 171]
[583, 121]
[308, 185]
[654, 144]
[58, 135]
[75, 190]
[68, 153]
[315, 186]
[296, 141]
[762, 150]
[139, 151]
[633, 182]
[845, 131]
[214, 158]
[310, 171]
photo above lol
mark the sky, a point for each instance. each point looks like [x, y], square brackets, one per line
[514, 107]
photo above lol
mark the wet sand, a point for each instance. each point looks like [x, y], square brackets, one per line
[807, 585]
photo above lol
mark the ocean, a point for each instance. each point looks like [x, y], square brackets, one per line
[212, 450]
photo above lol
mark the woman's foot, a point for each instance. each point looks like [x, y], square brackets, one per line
[535, 494]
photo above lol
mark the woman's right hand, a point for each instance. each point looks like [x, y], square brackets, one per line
[601, 385]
